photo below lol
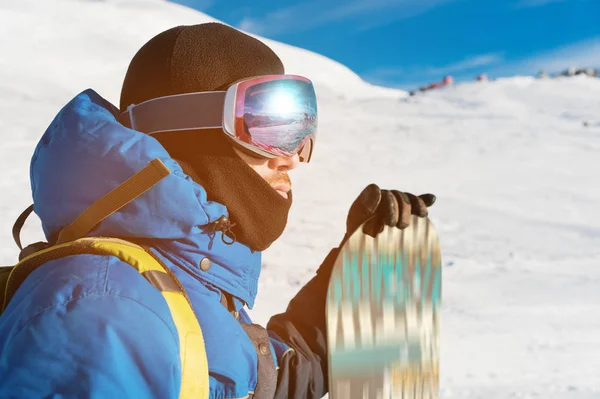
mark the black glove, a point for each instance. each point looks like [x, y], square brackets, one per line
[380, 208]
[385, 208]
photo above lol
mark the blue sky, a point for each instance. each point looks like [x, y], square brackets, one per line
[406, 43]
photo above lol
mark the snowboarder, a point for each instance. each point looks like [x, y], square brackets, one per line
[91, 325]
[447, 81]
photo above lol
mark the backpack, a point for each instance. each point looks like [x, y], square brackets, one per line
[72, 241]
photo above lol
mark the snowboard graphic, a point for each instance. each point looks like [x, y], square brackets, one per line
[383, 315]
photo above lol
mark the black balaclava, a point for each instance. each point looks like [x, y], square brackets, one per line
[210, 57]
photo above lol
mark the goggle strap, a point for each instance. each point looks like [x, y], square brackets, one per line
[178, 112]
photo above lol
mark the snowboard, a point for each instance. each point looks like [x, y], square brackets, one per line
[383, 304]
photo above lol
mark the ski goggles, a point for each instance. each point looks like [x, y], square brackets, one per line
[272, 115]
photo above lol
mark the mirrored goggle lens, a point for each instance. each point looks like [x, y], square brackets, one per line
[278, 116]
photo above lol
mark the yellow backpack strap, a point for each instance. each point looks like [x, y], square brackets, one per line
[194, 363]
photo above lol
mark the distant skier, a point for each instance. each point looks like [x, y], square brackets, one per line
[447, 81]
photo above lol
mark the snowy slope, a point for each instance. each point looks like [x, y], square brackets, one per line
[515, 172]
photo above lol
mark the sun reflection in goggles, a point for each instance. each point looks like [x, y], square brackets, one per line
[283, 103]
[280, 116]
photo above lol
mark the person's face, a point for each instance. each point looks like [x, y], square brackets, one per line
[273, 170]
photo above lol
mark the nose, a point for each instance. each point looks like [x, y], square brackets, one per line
[284, 164]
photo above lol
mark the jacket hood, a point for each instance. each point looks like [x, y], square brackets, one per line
[85, 153]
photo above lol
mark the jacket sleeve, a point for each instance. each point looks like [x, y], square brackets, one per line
[95, 346]
[302, 327]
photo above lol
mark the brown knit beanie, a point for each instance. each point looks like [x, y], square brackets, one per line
[195, 58]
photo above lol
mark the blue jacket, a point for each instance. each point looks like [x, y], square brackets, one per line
[90, 326]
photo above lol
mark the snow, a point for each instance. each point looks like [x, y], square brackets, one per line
[512, 164]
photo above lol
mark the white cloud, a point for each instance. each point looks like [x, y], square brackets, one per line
[536, 3]
[584, 54]
[427, 73]
[308, 15]
[467, 64]
[251, 25]
[541, 3]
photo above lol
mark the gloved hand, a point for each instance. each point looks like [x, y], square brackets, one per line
[381, 208]
[385, 208]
